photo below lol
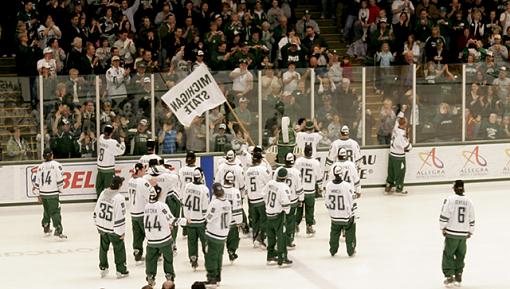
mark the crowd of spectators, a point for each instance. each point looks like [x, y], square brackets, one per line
[124, 42]
[438, 36]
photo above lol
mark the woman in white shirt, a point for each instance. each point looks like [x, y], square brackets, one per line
[291, 78]
[414, 47]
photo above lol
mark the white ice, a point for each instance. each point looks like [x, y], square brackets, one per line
[399, 246]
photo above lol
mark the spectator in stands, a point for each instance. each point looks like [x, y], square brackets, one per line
[445, 124]
[89, 116]
[242, 80]
[58, 54]
[221, 141]
[117, 77]
[505, 126]
[304, 22]
[325, 113]
[138, 139]
[17, 147]
[168, 138]
[502, 84]
[87, 144]
[64, 145]
[387, 119]
[195, 135]
[313, 39]
[47, 60]
[76, 57]
[27, 56]
[499, 51]
[243, 113]
[490, 129]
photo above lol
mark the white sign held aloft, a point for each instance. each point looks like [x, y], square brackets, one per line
[194, 95]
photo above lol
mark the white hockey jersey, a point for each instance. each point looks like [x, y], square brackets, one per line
[311, 173]
[107, 150]
[256, 179]
[139, 190]
[233, 195]
[49, 179]
[457, 217]
[158, 222]
[339, 202]
[276, 197]
[295, 183]
[236, 169]
[249, 163]
[146, 158]
[312, 138]
[186, 176]
[110, 213]
[399, 143]
[219, 218]
[350, 174]
[168, 182]
[195, 201]
[351, 147]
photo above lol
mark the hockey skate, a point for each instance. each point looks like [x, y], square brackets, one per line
[104, 272]
[61, 236]
[174, 250]
[232, 256]
[194, 263]
[121, 275]
[310, 232]
[271, 261]
[47, 230]
[458, 280]
[401, 193]
[387, 189]
[211, 283]
[151, 281]
[291, 246]
[448, 282]
[285, 263]
[138, 257]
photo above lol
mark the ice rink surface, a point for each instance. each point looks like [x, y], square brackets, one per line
[399, 246]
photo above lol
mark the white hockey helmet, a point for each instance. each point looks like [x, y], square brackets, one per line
[230, 155]
[290, 158]
[338, 172]
[342, 153]
[229, 177]
[344, 130]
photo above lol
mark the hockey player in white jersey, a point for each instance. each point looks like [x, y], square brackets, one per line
[457, 223]
[339, 202]
[169, 183]
[107, 150]
[351, 147]
[48, 185]
[277, 203]
[139, 189]
[311, 174]
[233, 195]
[249, 159]
[218, 218]
[186, 172]
[196, 199]
[295, 183]
[257, 177]
[151, 153]
[228, 158]
[308, 137]
[230, 166]
[110, 220]
[351, 174]
[158, 224]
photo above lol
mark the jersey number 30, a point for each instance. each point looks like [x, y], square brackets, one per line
[336, 203]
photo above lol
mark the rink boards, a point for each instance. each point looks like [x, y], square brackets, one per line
[436, 164]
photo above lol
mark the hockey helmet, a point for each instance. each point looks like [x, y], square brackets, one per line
[116, 182]
[190, 157]
[309, 125]
[230, 155]
[47, 154]
[282, 175]
[151, 144]
[338, 172]
[342, 154]
[138, 167]
[344, 130]
[229, 178]
[289, 159]
[108, 129]
[256, 158]
[198, 176]
[154, 194]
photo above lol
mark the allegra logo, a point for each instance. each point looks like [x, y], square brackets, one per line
[507, 152]
[474, 157]
[430, 159]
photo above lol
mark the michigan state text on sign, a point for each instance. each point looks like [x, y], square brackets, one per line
[194, 95]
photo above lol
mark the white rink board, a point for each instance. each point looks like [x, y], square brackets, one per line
[424, 165]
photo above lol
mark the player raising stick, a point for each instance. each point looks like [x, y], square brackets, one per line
[107, 150]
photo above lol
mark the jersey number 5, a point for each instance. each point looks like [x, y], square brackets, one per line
[307, 175]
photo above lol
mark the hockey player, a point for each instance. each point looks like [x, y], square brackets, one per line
[48, 185]
[158, 223]
[110, 220]
[339, 202]
[308, 137]
[351, 147]
[277, 203]
[457, 223]
[257, 177]
[139, 189]
[311, 174]
[249, 156]
[233, 195]
[350, 174]
[218, 218]
[186, 176]
[295, 183]
[196, 200]
[151, 153]
[230, 165]
[399, 146]
[107, 150]
[168, 182]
